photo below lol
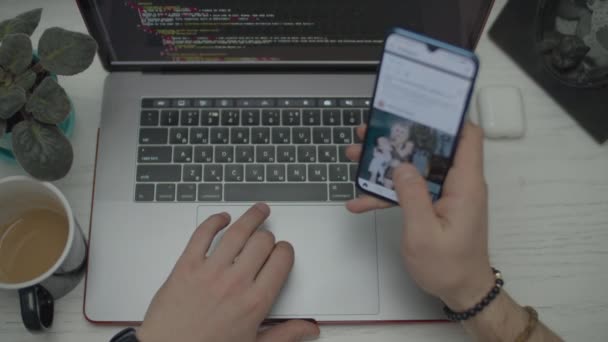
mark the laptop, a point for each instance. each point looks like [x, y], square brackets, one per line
[213, 108]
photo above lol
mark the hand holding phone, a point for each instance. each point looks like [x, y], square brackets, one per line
[422, 94]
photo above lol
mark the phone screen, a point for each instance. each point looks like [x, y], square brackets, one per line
[422, 94]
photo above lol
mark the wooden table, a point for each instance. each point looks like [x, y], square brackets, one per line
[548, 210]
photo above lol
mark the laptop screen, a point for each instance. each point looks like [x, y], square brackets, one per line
[166, 32]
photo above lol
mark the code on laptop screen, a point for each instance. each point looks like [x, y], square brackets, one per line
[160, 31]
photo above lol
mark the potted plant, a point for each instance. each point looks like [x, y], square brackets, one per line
[32, 103]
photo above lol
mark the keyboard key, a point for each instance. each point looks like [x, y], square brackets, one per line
[165, 192]
[265, 154]
[169, 118]
[341, 192]
[203, 154]
[365, 116]
[159, 173]
[297, 103]
[178, 136]
[153, 136]
[260, 135]
[296, 173]
[182, 103]
[210, 118]
[281, 135]
[186, 192]
[193, 173]
[199, 135]
[301, 135]
[311, 117]
[351, 117]
[234, 173]
[224, 154]
[328, 154]
[348, 103]
[213, 173]
[287, 192]
[244, 154]
[338, 173]
[149, 118]
[182, 154]
[354, 168]
[317, 173]
[307, 154]
[225, 103]
[251, 117]
[147, 103]
[144, 192]
[161, 103]
[342, 158]
[239, 135]
[343, 135]
[154, 154]
[357, 139]
[363, 103]
[230, 117]
[202, 103]
[328, 103]
[256, 103]
[190, 118]
[254, 173]
[331, 117]
[271, 117]
[286, 154]
[291, 117]
[219, 135]
[210, 192]
[275, 173]
[321, 135]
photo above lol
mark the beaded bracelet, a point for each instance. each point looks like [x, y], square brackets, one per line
[532, 323]
[472, 312]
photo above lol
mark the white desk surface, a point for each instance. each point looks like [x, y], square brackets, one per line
[548, 210]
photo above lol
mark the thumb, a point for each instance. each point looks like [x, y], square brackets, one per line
[290, 331]
[413, 194]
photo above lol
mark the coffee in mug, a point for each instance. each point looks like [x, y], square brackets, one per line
[31, 244]
[42, 248]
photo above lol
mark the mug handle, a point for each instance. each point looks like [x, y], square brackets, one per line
[37, 306]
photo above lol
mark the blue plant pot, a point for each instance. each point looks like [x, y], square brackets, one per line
[67, 127]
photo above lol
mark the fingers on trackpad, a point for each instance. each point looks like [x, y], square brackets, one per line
[336, 267]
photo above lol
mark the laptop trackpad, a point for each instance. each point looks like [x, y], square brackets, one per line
[336, 266]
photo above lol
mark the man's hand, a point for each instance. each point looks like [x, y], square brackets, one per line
[225, 296]
[445, 245]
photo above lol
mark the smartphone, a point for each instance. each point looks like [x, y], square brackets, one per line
[422, 94]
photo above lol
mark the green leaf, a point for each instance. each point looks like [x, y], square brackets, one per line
[42, 150]
[11, 100]
[25, 80]
[16, 53]
[24, 23]
[65, 52]
[2, 128]
[49, 103]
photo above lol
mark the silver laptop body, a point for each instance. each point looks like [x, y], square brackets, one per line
[150, 193]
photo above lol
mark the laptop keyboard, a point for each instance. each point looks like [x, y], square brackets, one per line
[244, 150]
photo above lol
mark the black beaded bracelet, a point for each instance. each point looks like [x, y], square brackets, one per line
[472, 312]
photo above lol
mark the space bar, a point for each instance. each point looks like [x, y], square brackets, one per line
[272, 192]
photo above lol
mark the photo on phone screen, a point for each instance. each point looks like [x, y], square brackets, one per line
[422, 94]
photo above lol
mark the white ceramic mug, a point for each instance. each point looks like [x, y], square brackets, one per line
[17, 196]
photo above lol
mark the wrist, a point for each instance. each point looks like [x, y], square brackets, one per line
[470, 294]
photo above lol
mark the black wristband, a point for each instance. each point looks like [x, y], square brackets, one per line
[472, 312]
[127, 335]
